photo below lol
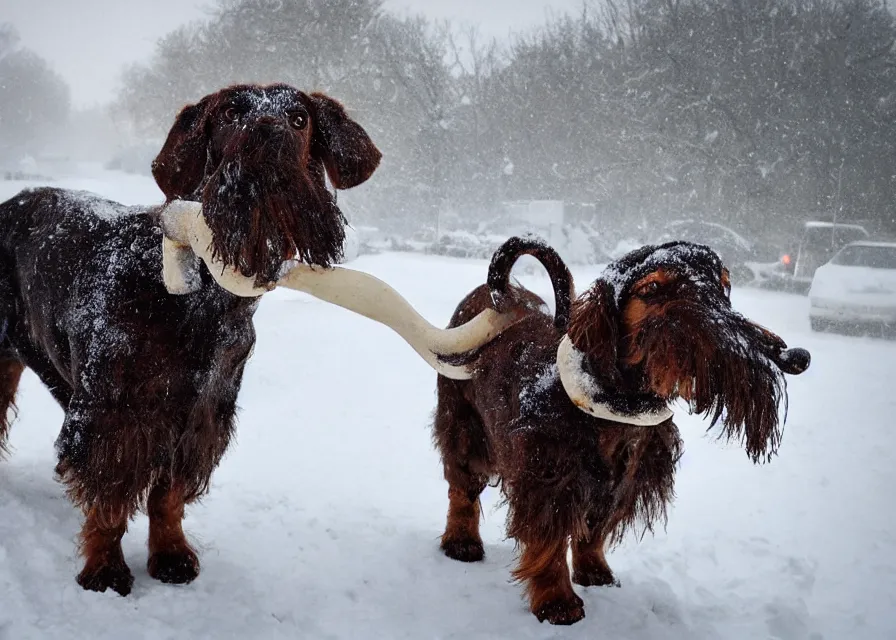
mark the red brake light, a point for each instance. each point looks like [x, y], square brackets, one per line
[785, 259]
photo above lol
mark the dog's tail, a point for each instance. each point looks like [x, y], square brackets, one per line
[561, 279]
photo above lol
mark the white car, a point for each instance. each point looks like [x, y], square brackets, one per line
[856, 287]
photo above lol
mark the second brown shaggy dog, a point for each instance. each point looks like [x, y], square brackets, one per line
[570, 413]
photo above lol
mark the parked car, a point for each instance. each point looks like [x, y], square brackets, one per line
[817, 244]
[856, 288]
[740, 255]
[465, 244]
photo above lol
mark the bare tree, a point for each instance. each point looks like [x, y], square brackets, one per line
[756, 114]
[34, 100]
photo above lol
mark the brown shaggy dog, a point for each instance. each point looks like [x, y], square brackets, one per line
[570, 414]
[149, 380]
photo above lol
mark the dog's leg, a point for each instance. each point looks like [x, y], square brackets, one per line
[589, 562]
[10, 374]
[104, 566]
[101, 466]
[646, 478]
[543, 569]
[459, 437]
[461, 540]
[171, 558]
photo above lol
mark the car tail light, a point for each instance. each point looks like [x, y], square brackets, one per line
[787, 263]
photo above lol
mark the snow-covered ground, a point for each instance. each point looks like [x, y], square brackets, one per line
[323, 520]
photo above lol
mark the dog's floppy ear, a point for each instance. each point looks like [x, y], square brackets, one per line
[346, 150]
[594, 329]
[180, 165]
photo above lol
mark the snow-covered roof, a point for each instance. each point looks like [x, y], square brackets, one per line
[872, 243]
[816, 224]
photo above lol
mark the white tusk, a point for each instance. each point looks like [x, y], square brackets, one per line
[180, 267]
[581, 387]
[186, 229]
[371, 297]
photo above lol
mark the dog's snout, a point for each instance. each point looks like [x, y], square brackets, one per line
[270, 121]
[794, 361]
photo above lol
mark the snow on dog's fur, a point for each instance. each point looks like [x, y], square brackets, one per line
[566, 435]
[148, 380]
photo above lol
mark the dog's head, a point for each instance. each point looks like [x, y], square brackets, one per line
[659, 325]
[255, 156]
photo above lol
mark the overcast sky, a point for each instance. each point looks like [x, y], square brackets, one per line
[88, 41]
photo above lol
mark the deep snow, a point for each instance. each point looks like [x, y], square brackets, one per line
[323, 519]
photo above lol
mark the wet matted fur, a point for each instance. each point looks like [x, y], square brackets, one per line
[149, 381]
[656, 326]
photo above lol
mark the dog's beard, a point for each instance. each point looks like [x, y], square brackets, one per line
[266, 204]
[719, 362]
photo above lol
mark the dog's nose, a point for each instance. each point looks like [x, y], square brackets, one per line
[268, 121]
[794, 361]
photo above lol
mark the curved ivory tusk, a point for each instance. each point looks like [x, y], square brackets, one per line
[180, 270]
[356, 291]
[581, 387]
[374, 299]
[184, 226]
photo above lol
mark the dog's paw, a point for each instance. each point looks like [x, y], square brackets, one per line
[566, 611]
[108, 576]
[467, 550]
[179, 567]
[595, 577]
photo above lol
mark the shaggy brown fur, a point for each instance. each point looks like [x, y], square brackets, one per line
[10, 373]
[149, 380]
[566, 475]
[256, 159]
[171, 558]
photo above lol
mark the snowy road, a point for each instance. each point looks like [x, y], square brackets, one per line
[323, 520]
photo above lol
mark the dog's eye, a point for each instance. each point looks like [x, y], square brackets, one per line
[298, 120]
[648, 289]
[231, 114]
